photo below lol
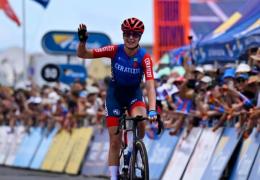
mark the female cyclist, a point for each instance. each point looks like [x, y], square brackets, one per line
[129, 62]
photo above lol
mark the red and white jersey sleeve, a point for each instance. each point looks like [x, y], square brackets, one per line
[106, 51]
[148, 67]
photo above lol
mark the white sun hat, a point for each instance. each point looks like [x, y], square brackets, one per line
[243, 68]
[92, 90]
[209, 68]
[206, 79]
[199, 69]
[53, 97]
[34, 100]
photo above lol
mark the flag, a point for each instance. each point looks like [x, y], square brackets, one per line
[44, 3]
[4, 4]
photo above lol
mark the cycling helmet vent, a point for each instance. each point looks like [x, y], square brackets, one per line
[133, 24]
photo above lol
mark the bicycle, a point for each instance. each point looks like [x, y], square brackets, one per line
[133, 171]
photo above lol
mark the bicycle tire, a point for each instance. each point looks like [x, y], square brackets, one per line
[139, 148]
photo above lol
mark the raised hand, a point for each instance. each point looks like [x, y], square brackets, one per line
[82, 33]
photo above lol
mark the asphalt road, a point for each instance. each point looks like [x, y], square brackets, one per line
[11, 173]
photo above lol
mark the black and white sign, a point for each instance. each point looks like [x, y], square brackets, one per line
[50, 72]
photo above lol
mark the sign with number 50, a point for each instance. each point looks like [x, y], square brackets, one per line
[50, 73]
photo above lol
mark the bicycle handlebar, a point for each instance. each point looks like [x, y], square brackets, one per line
[123, 119]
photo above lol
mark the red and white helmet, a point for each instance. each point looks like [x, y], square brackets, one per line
[133, 24]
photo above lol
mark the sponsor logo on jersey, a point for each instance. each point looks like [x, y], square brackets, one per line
[121, 68]
[106, 48]
[148, 67]
[135, 64]
[116, 112]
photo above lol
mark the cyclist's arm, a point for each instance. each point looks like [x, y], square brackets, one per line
[106, 51]
[150, 86]
[83, 52]
[151, 94]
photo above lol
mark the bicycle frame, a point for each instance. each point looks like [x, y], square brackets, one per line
[128, 172]
[134, 129]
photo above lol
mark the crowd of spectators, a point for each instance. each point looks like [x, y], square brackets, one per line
[203, 95]
[211, 95]
[47, 106]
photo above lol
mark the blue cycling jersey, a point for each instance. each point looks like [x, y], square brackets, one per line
[127, 71]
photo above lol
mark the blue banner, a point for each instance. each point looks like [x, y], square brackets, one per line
[66, 43]
[28, 148]
[43, 148]
[95, 163]
[227, 51]
[255, 172]
[212, 52]
[182, 153]
[148, 143]
[246, 157]
[230, 45]
[202, 153]
[222, 154]
[160, 153]
[69, 73]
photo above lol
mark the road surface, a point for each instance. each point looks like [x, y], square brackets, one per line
[11, 173]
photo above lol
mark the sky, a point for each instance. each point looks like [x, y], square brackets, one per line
[103, 16]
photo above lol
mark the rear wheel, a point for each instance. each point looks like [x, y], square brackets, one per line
[139, 167]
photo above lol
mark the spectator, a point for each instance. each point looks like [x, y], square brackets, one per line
[94, 105]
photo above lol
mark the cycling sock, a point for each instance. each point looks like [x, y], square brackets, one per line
[114, 171]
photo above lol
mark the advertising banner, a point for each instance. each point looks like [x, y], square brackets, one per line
[69, 73]
[95, 163]
[59, 141]
[79, 150]
[43, 149]
[255, 171]
[246, 157]
[28, 147]
[18, 134]
[160, 153]
[202, 153]
[181, 155]
[4, 145]
[64, 151]
[222, 154]
[149, 143]
[66, 43]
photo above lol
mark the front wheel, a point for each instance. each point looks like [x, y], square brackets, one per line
[139, 167]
